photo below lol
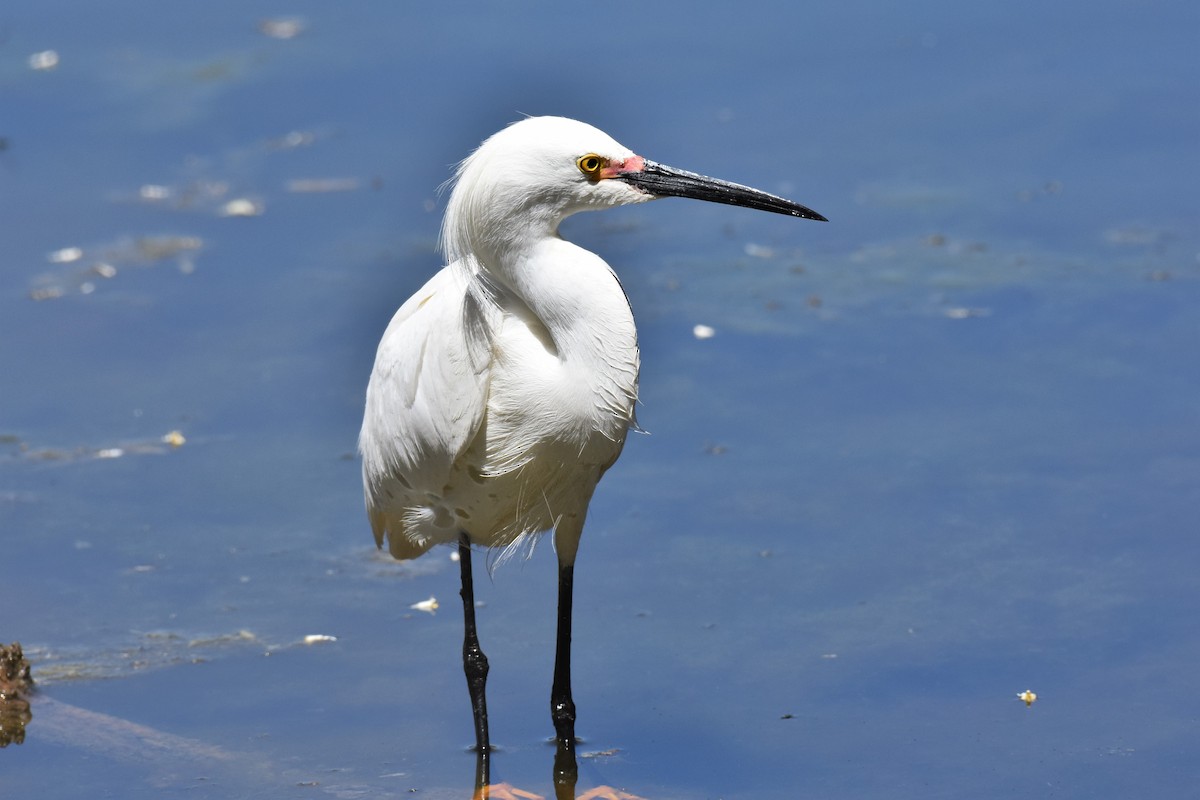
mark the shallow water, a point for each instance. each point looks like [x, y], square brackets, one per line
[940, 450]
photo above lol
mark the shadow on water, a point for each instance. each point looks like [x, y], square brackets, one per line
[123, 742]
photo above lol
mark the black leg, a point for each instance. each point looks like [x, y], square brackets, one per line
[483, 778]
[562, 707]
[475, 663]
[566, 771]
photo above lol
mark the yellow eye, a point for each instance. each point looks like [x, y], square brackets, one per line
[590, 165]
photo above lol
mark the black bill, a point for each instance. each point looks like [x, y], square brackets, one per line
[663, 181]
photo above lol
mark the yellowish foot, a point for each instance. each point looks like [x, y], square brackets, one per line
[504, 791]
[607, 793]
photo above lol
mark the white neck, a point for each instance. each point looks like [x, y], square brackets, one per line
[574, 303]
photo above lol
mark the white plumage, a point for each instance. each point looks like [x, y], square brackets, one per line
[504, 388]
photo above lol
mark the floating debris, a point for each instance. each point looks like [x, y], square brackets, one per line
[46, 293]
[155, 193]
[1028, 697]
[141, 651]
[65, 256]
[102, 261]
[704, 332]
[758, 251]
[318, 638]
[171, 440]
[282, 28]
[430, 606]
[45, 60]
[196, 195]
[601, 753]
[292, 140]
[156, 248]
[220, 640]
[966, 313]
[241, 207]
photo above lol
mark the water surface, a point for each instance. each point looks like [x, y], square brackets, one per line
[940, 450]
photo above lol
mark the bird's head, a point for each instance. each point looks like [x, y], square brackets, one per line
[524, 180]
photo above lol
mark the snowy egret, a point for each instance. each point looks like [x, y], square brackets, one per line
[504, 388]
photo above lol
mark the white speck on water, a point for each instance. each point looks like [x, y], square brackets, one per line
[65, 256]
[47, 59]
[319, 638]
[428, 606]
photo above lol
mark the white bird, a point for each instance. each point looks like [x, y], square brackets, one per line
[503, 389]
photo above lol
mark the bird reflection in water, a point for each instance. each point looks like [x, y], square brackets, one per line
[566, 776]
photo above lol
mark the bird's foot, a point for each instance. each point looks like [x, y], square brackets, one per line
[504, 791]
[607, 793]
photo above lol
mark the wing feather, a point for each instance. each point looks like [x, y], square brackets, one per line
[427, 395]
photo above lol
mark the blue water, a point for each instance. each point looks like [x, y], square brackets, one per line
[942, 449]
